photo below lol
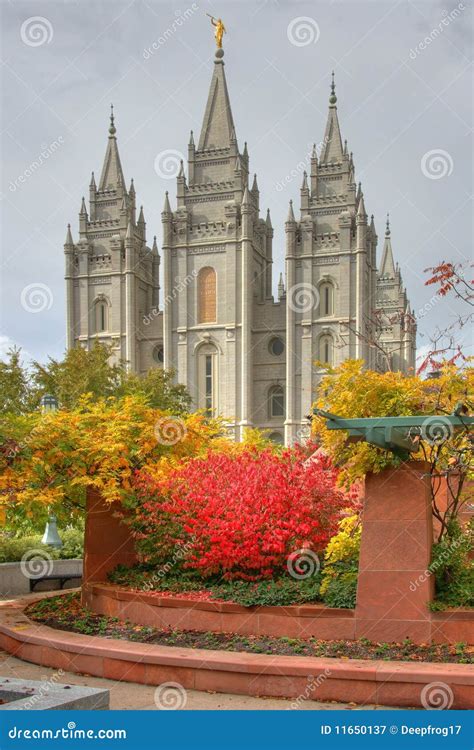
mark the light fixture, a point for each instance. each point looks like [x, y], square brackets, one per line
[51, 536]
[48, 403]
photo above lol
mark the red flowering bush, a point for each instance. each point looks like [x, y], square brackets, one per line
[241, 515]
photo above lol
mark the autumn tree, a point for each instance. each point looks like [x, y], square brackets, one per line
[82, 372]
[450, 280]
[16, 393]
[352, 391]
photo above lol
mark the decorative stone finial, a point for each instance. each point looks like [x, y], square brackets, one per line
[112, 128]
[387, 226]
[333, 97]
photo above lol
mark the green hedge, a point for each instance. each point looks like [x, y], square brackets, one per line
[12, 549]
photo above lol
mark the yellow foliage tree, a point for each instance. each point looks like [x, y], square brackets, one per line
[352, 391]
[50, 460]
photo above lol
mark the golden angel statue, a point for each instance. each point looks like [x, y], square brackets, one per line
[220, 30]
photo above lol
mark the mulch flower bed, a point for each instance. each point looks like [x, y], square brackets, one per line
[66, 613]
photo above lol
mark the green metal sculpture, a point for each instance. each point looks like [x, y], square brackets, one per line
[400, 435]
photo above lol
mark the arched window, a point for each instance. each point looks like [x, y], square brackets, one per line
[326, 299]
[207, 296]
[276, 437]
[326, 347]
[158, 354]
[101, 311]
[207, 379]
[276, 402]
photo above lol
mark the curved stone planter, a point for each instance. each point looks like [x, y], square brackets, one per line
[13, 581]
[296, 621]
[296, 677]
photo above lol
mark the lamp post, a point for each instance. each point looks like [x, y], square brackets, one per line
[48, 403]
[51, 537]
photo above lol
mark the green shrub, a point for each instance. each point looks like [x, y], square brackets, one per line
[279, 592]
[12, 549]
[453, 567]
[341, 591]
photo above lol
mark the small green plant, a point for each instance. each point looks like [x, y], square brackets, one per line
[453, 567]
[341, 565]
[281, 591]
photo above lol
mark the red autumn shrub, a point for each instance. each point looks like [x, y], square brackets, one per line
[242, 515]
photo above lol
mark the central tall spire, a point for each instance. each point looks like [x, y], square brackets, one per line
[218, 129]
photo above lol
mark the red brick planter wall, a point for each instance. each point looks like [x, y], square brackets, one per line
[303, 621]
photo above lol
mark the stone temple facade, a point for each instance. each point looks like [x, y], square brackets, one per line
[204, 307]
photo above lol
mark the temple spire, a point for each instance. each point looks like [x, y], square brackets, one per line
[281, 287]
[218, 130]
[332, 144]
[387, 265]
[69, 241]
[167, 207]
[112, 174]
[291, 213]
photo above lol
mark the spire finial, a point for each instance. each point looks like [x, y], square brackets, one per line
[112, 128]
[387, 226]
[333, 97]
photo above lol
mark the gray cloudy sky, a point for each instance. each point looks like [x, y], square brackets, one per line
[405, 107]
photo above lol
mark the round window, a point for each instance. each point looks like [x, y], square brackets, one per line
[276, 346]
[158, 354]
